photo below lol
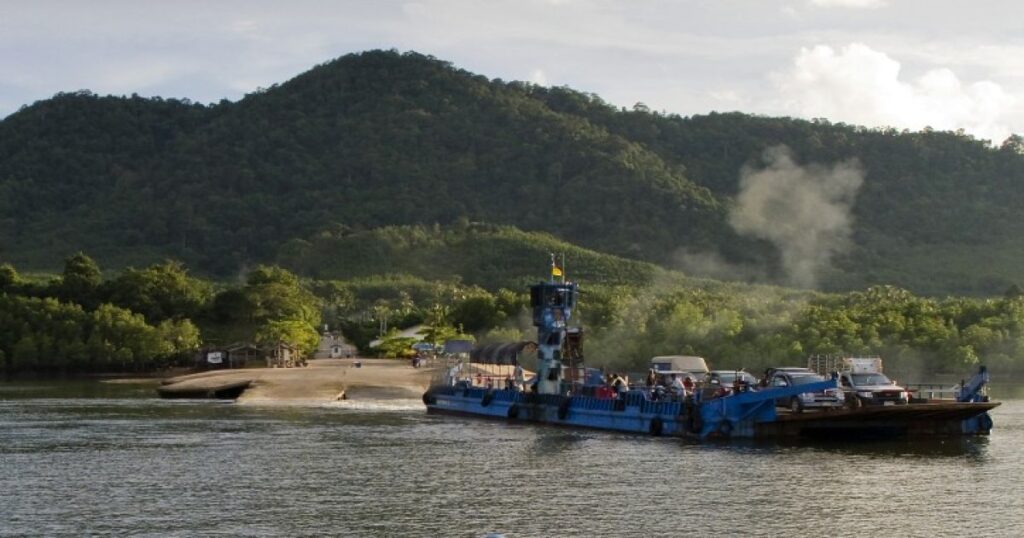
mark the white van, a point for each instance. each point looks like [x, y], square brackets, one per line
[680, 364]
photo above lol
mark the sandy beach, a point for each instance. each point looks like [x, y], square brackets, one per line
[324, 380]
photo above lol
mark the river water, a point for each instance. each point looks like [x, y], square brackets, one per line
[96, 459]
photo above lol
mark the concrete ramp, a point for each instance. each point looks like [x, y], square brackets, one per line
[206, 388]
[324, 380]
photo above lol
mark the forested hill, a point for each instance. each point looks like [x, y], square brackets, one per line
[382, 138]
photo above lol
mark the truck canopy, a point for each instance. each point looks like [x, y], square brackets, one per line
[684, 363]
[862, 365]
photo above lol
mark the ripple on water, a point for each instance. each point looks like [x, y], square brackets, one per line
[149, 467]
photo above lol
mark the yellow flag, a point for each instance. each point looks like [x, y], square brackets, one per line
[556, 270]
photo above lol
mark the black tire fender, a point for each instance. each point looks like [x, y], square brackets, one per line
[656, 426]
[563, 408]
[429, 399]
[487, 398]
[513, 411]
[693, 422]
[725, 428]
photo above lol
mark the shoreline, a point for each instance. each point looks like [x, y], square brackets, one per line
[323, 380]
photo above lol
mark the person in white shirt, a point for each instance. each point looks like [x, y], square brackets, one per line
[676, 385]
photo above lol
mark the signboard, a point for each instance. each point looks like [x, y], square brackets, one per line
[215, 357]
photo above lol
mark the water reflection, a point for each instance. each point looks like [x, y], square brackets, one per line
[971, 448]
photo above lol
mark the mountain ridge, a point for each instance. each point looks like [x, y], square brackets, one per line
[383, 138]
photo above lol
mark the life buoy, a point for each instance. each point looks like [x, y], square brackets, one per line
[563, 409]
[487, 398]
[513, 411]
[656, 426]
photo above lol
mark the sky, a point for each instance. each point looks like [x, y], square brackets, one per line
[880, 63]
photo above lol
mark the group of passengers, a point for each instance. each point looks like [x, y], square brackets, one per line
[669, 387]
[613, 385]
[516, 381]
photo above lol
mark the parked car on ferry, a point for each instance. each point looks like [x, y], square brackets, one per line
[725, 380]
[787, 377]
[871, 388]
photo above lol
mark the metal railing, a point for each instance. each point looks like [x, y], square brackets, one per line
[933, 391]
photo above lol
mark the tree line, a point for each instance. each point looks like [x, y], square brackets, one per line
[150, 318]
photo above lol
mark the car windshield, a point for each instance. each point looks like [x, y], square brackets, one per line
[805, 379]
[730, 377]
[870, 379]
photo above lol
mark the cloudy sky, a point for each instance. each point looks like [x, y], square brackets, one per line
[902, 63]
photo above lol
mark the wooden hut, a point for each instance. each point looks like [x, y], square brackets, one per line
[284, 355]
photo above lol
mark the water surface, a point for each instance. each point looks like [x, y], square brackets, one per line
[97, 459]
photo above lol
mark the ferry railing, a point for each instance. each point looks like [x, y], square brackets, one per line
[933, 391]
[826, 364]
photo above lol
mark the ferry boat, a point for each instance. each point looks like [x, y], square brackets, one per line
[557, 396]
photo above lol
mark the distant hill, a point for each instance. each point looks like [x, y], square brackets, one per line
[365, 141]
[484, 255]
[383, 139]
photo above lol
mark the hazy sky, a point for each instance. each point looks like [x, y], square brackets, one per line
[912, 63]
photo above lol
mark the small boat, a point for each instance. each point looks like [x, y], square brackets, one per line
[557, 396]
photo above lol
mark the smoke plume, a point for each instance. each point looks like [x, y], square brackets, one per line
[710, 264]
[803, 210]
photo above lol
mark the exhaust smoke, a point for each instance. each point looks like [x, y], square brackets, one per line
[805, 211]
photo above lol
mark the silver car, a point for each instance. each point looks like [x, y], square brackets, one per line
[827, 399]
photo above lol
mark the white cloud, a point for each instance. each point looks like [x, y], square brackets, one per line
[860, 85]
[870, 4]
[683, 57]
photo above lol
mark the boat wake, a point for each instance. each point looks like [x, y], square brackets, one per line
[411, 404]
[371, 405]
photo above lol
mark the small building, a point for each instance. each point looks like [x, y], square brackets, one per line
[334, 346]
[245, 355]
[242, 355]
[236, 355]
[284, 355]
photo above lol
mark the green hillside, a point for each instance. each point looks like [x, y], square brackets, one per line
[935, 213]
[381, 139]
[366, 141]
[487, 256]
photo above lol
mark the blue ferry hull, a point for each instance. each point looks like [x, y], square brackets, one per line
[734, 416]
[638, 416]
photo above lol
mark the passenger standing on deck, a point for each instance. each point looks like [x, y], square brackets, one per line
[652, 378]
[677, 387]
[520, 377]
[620, 386]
